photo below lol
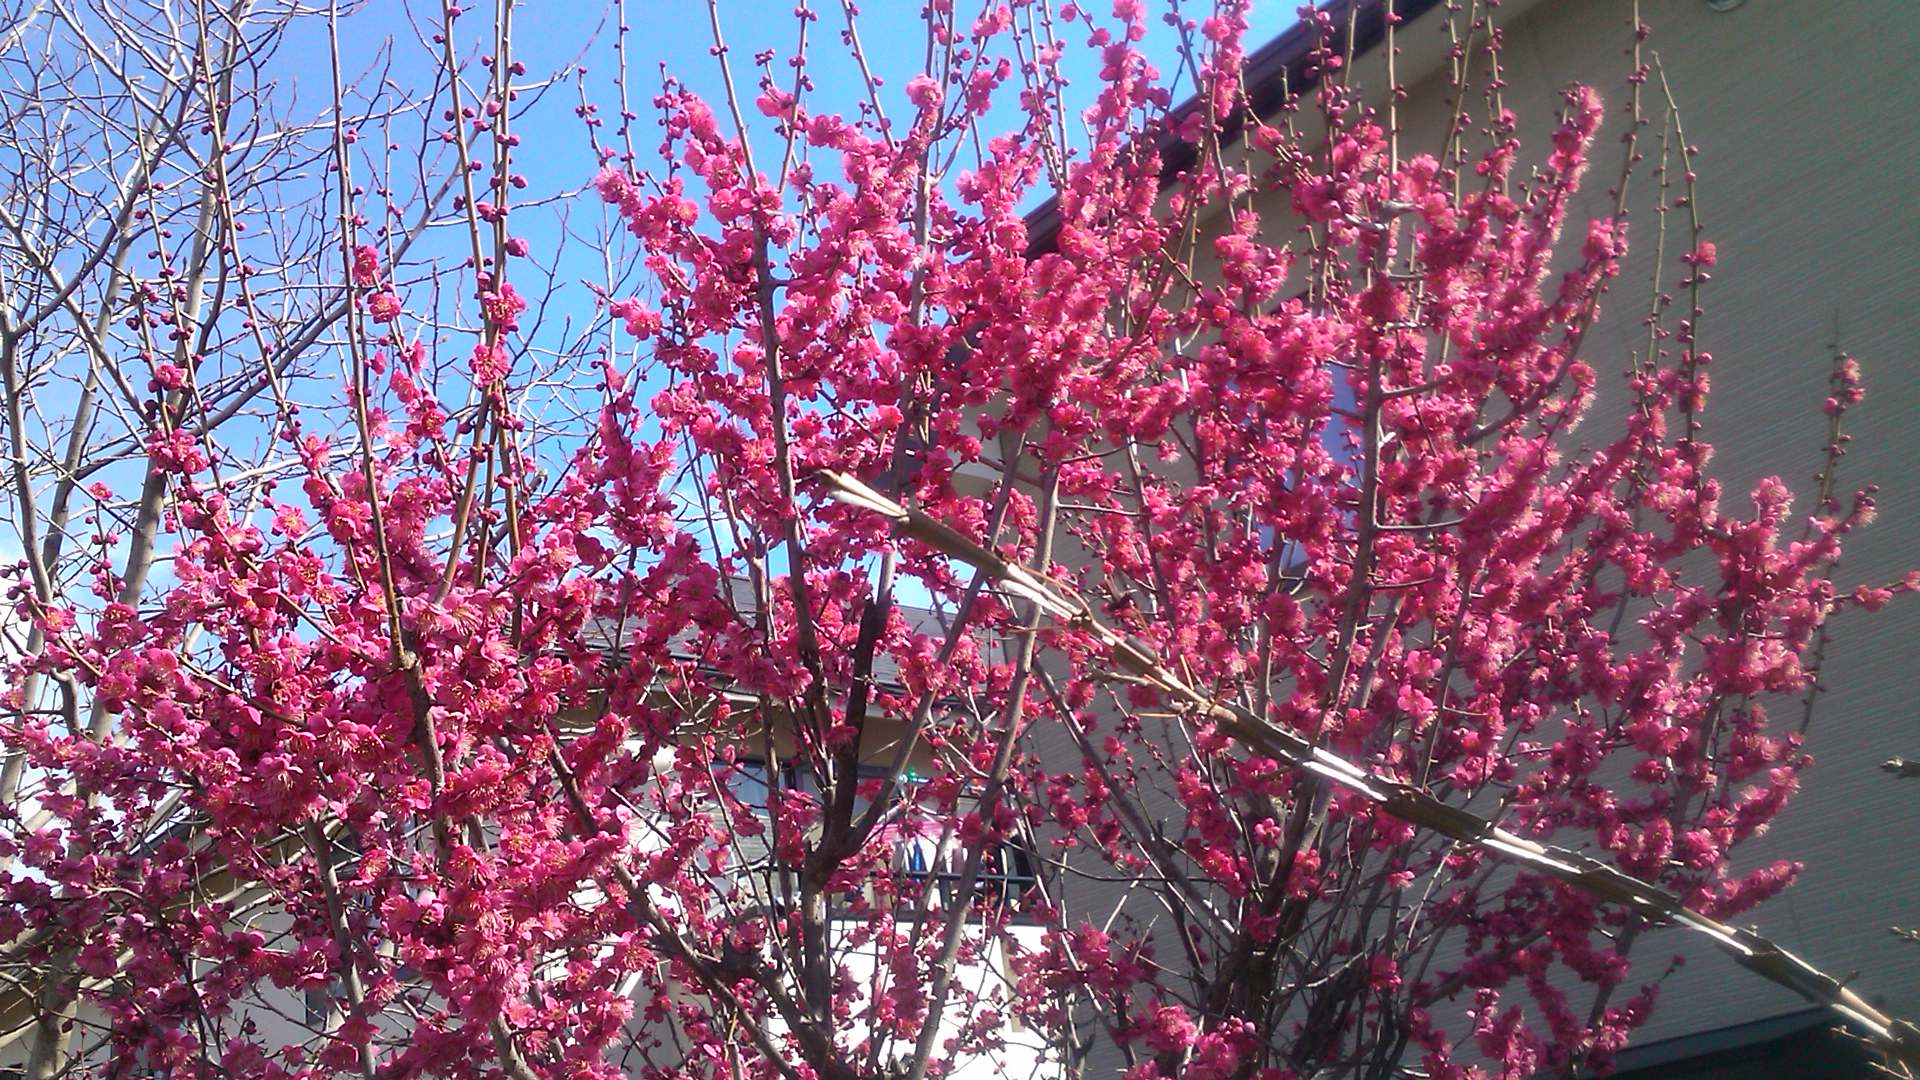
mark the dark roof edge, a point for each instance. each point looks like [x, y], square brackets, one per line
[1684, 1047]
[1275, 72]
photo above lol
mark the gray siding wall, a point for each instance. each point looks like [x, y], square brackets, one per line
[1807, 120]
[1806, 117]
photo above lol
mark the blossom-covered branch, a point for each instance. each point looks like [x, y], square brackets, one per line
[1397, 797]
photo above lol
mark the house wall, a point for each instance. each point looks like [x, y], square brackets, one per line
[1804, 116]
[1805, 120]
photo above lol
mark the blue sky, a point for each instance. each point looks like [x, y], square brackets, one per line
[675, 35]
[676, 38]
[389, 40]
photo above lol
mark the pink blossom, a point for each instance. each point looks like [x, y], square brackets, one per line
[366, 265]
[489, 363]
[925, 92]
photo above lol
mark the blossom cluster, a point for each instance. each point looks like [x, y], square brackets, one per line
[604, 755]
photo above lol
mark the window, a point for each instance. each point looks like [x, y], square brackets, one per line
[1008, 878]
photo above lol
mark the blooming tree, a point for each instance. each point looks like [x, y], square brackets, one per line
[873, 621]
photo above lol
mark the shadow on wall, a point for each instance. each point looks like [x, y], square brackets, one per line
[1804, 1045]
